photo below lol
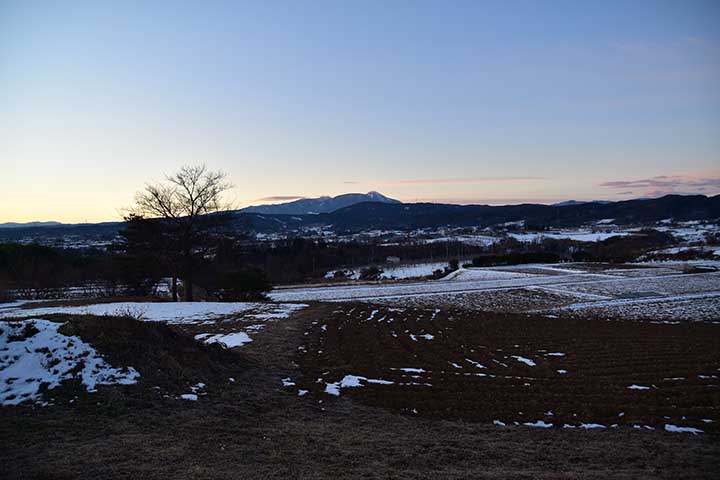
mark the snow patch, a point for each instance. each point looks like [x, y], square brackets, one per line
[524, 360]
[589, 426]
[35, 353]
[410, 370]
[476, 364]
[426, 336]
[352, 381]
[227, 340]
[676, 429]
[539, 424]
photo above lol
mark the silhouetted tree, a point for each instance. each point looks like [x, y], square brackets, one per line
[189, 206]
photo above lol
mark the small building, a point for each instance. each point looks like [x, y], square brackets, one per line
[392, 259]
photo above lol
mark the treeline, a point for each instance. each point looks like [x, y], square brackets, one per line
[39, 271]
[228, 267]
[618, 249]
[298, 259]
[35, 271]
[234, 268]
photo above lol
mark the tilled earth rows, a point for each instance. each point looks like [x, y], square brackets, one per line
[510, 300]
[517, 368]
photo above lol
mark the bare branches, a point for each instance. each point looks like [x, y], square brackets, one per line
[191, 192]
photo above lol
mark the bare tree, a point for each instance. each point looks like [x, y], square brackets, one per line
[189, 204]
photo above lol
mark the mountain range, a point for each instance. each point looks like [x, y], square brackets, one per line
[393, 215]
[313, 206]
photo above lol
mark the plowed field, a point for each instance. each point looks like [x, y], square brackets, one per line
[509, 368]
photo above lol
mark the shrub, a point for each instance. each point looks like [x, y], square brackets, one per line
[246, 284]
[370, 273]
[439, 273]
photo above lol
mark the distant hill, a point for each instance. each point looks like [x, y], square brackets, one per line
[575, 202]
[366, 216]
[28, 224]
[312, 206]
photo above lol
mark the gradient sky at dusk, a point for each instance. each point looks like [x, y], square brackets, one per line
[454, 101]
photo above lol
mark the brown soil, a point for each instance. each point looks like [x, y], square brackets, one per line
[679, 364]
[510, 300]
[255, 428]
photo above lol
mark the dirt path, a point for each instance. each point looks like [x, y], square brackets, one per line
[255, 428]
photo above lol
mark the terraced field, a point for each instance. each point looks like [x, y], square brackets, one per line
[664, 291]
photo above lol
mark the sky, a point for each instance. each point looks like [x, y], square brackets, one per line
[492, 102]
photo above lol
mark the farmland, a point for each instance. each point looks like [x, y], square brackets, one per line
[519, 369]
[568, 290]
[589, 360]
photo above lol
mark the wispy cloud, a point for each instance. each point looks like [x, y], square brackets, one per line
[484, 201]
[665, 184]
[453, 181]
[351, 183]
[279, 198]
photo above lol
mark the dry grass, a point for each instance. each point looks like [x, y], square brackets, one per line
[79, 302]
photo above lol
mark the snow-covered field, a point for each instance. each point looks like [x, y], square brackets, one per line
[697, 307]
[400, 272]
[577, 235]
[478, 274]
[653, 290]
[395, 272]
[374, 292]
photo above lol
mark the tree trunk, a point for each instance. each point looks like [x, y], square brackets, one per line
[188, 288]
[188, 279]
[188, 283]
[174, 289]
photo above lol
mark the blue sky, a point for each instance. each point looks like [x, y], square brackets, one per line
[457, 101]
